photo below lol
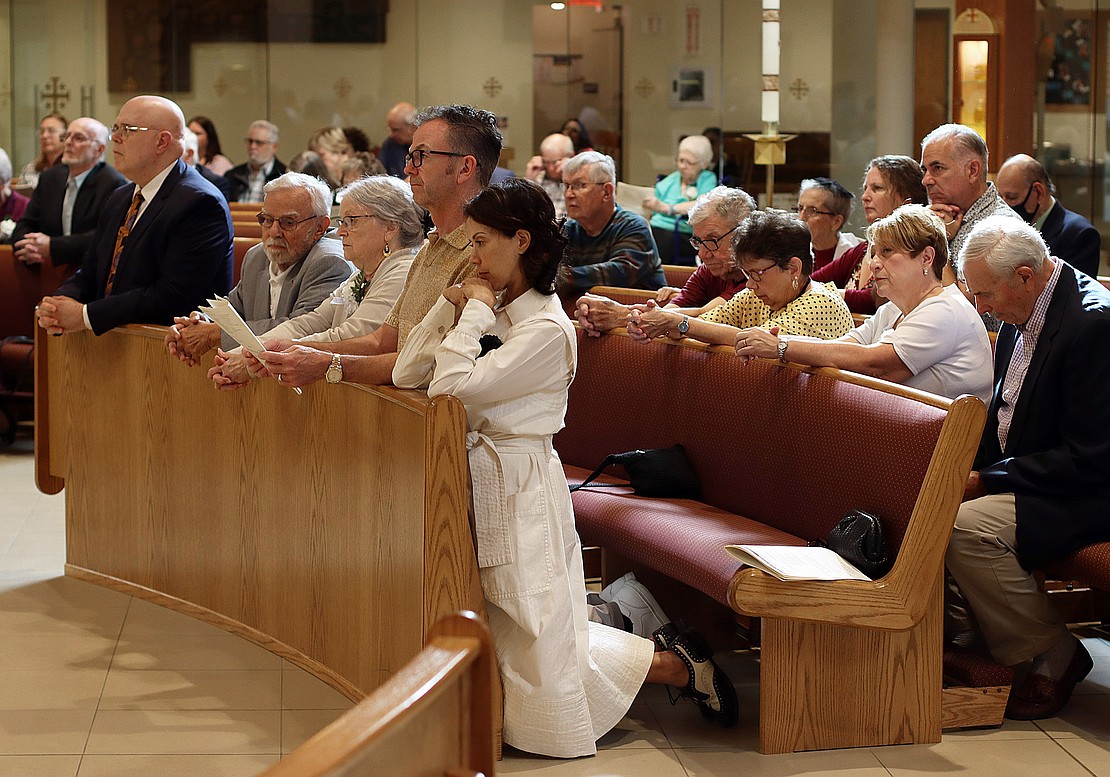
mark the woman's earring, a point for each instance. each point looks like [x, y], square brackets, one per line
[795, 283]
[385, 251]
[924, 270]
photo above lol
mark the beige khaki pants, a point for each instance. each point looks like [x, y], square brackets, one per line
[1013, 614]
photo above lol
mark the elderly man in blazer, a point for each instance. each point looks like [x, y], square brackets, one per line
[1040, 489]
[290, 272]
[60, 221]
[1025, 186]
[162, 246]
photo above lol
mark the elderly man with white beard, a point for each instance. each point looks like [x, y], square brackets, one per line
[290, 272]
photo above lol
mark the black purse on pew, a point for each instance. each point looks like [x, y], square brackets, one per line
[859, 538]
[660, 472]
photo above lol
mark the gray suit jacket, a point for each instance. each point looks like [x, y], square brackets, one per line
[308, 283]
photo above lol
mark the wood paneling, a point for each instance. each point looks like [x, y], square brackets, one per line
[930, 71]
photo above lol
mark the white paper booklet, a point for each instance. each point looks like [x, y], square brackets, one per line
[229, 320]
[788, 562]
[632, 198]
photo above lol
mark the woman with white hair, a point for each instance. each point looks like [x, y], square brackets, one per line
[675, 195]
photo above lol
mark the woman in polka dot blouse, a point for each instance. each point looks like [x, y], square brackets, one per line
[773, 250]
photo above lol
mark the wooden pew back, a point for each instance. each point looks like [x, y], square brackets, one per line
[432, 717]
[330, 528]
[21, 288]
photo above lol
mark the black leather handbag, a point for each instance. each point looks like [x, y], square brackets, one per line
[661, 472]
[859, 538]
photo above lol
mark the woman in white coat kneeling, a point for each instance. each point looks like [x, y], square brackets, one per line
[502, 344]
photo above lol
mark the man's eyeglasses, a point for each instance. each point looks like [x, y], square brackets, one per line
[287, 223]
[416, 158]
[809, 211]
[76, 137]
[123, 130]
[346, 222]
[256, 142]
[757, 275]
[711, 243]
[580, 186]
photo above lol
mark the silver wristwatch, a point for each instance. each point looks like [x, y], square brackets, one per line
[684, 325]
[335, 370]
[783, 342]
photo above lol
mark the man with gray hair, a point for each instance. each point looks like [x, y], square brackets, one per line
[1024, 184]
[546, 169]
[714, 216]
[262, 165]
[289, 273]
[954, 159]
[1040, 487]
[401, 123]
[606, 244]
[60, 221]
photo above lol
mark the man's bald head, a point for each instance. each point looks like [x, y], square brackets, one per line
[1025, 186]
[400, 121]
[554, 151]
[143, 152]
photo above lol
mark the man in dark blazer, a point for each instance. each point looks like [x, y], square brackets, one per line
[1025, 186]
[262, 165]
[1040, 489]
[162, 246]
[42, 234]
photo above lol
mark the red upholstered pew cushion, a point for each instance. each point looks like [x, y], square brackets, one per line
[682, 538]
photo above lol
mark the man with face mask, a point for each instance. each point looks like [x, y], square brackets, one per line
[1025, 186]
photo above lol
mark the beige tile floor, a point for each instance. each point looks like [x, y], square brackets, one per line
[97, 684]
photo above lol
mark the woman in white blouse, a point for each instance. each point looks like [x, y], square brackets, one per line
[381, 227]
[928, 336]
[502, 344]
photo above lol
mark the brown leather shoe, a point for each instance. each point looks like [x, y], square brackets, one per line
[1039, 697]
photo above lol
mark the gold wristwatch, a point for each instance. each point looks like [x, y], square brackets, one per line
[335, 370]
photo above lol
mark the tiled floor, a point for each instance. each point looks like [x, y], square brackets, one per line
[95, 683]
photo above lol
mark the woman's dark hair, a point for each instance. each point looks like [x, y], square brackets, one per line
[583, 141]
[518, 203]
[212, 150]
[903, 174]
[358, 139]
[774, 235]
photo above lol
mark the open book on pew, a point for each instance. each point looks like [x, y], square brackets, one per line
[229, 320]
[789, 562]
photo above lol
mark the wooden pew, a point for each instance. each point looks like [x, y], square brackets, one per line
[21, 288]
[677, 274]
[330, 528]
[432, 717]
[241, 246]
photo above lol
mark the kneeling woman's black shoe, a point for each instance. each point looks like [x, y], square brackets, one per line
[709, 687]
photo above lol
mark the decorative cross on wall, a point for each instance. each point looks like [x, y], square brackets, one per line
[342, 88]
[492, 87]
[644, 87]
[799, 88]
[55, 95]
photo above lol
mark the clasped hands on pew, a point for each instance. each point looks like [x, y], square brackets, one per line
[59, 315]
[191, 337]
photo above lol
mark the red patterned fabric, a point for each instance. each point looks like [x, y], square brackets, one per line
[682, 538]
[968, 668]
[1091, 565]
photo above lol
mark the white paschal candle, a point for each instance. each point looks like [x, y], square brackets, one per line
[770, 107]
